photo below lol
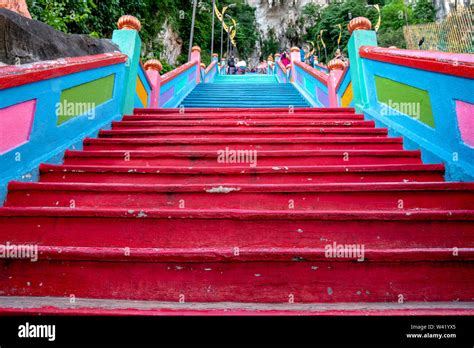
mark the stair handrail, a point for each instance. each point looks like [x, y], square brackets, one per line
[178, 83]
[280, 72]
[425, 96]
[211, 71]
[321, 89]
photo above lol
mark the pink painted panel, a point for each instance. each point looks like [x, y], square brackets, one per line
[465, 113]
[15, 125]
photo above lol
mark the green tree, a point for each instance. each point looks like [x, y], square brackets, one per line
[327, 20]
[424, 12]
[394, 16]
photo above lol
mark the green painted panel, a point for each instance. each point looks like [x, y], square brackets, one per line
[405, 99]
[83, 99]
[181, 84]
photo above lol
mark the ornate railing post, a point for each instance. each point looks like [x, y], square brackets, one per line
[295, 57]
[361, 35]
[222, 67]
[129, 42]
[336, 69]
[153, 69]
[196, 57]
[270, 64]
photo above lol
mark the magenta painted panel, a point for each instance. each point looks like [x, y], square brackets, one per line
[15, 125]
[299, 78]
[322, 97]
[465, 113]
[166, 96]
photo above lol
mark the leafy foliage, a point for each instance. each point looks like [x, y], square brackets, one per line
[327, 20]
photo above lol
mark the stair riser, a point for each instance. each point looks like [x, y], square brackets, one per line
[328, 133]
[256, 161]
[245, 116]
[183, 233]
[221, 105]
[263, 147]
[217, 179]
[252, 200]
[226, 111]
[238, 123]
[265, 282]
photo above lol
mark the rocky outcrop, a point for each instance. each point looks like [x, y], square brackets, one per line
[24, 41]
[280, 15]
[172, 44]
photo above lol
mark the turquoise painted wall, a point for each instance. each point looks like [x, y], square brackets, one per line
[48, 140]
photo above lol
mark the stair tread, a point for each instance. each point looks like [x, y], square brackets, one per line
[247, 140]
[244, 123]
[261, 153]
[245, 169]
[384, 253]
[286, 188]
[239, 214]
[139, 111]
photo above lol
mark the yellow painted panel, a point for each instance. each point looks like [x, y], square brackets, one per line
[142, 94]
[347, 96]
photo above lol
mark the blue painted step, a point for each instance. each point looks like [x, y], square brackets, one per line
[245, 91]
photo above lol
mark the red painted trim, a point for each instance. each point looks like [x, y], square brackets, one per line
[13, 76]
[210, 67]
[322, 66]
[178, 71]
[146, 76]
[320, 76]
[440, 62]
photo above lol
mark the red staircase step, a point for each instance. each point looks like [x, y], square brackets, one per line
[269, 111]
[253, 282]
[307, 197]
[241, 175]
[268, 132]
[244, 116]
[277, 143]
[258, 158]
[205, 124]
[405, 231]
